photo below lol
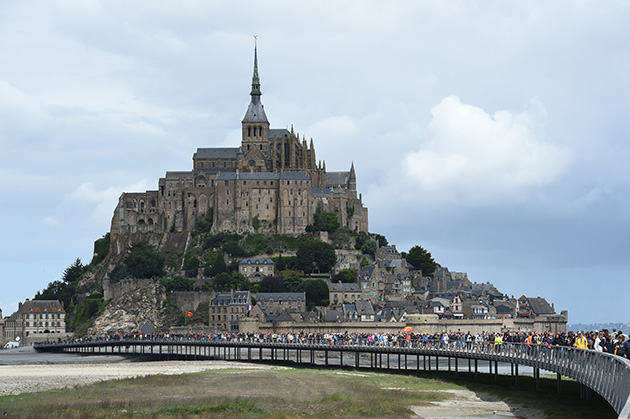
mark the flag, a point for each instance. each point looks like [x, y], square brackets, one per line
[189, 314]
[249, 308]
[407, 329]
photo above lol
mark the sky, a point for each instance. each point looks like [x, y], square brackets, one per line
[494, 134]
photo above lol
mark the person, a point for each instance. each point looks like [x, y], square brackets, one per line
[498, 341]
[619, 342]
[580, 341]
[606, 343]
[626, 349]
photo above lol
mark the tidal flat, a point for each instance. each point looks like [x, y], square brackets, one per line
[169, 389]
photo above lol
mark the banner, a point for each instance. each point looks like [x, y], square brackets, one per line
[189, 314]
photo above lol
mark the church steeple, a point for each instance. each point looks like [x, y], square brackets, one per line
[255, 110]
[255, 126]
[255, 93]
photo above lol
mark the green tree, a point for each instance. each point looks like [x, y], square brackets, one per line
[218, 266]
[292, 282]
[272, 284]
[234, 249]
[347, 275]
[57, 290]
[421, 259]
[191, 259]
[364, 262]
[144, 261]
[361, 238]
[316, 292]
[73, 272]
[313, 255]
[382, 240]
[369, 247]
[178, 283]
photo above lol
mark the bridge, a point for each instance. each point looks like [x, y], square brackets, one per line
[606, 374]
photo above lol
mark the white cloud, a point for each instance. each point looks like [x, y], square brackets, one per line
[51, 222]
[476, 158]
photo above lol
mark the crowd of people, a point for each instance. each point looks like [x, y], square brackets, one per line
[615, 342]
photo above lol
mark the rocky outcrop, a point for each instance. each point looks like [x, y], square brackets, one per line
[128, 313]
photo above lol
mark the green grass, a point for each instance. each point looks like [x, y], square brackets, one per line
[289, 393]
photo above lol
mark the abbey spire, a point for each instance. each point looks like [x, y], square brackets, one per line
[255, 110]
[255, 126]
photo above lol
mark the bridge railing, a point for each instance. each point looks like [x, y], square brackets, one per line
[607, 374]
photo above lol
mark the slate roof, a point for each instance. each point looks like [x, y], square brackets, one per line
[366, 272]
[217, 152]
[255, 112]
[41, 306]
[332, 316]
[265, 296]
[393, 263]
[170, 175]
[239, 297]
[364, 307]
[337, 178]
[344, 287]
[278, 133]
[253, 261]
[540, 306]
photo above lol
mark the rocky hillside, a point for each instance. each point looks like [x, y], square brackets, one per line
[145, 306]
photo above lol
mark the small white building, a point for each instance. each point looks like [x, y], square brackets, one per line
[256, 269]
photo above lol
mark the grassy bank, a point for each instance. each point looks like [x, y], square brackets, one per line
[290, 393]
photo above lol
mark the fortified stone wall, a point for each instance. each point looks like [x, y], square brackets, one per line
[188, 301]
[114, 290]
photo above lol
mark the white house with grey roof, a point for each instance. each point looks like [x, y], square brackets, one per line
[255, 269]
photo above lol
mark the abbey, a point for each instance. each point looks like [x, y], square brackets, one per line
[272, 183]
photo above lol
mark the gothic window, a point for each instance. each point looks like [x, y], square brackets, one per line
[224, 164]
[260, 147]
[249, 131]
[213, 165]
[254, 131]
[248, 146]
[212, 183]
[227, 202]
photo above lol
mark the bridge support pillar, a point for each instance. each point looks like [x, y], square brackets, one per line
[496, 371]
[326, 357]
[449, 364]
[559, 382]
[476, 369]
[456, 365]
[516, 374]
[341, 359]
[537, 377]
[356, 360]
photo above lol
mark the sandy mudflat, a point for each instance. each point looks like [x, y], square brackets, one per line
[16, 379]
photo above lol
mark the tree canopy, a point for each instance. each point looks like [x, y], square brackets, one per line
[421, 259]
[73, 272]
[316, 292]
[144, 261]
[313, 255]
